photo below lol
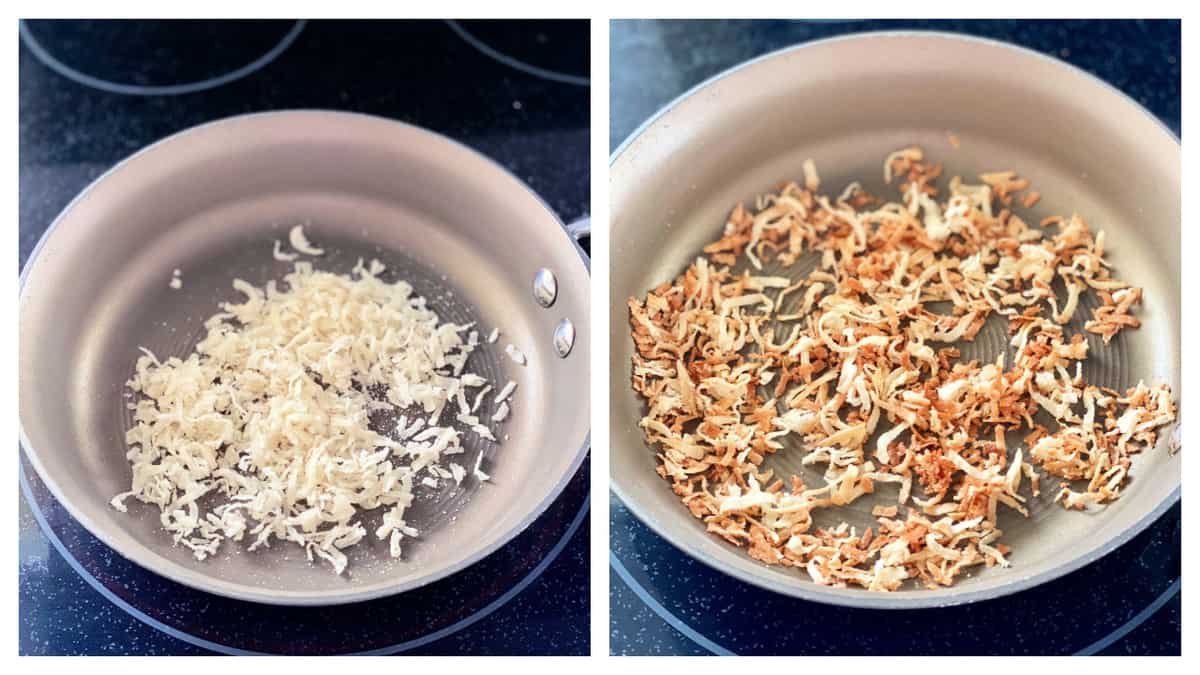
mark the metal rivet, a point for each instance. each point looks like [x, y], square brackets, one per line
[564, 337]
[545, 287]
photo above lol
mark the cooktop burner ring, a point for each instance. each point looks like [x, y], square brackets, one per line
[47, 59]
[640, 563]
[516, 64]
[34, 492]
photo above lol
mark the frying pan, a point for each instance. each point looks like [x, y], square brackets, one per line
[847, 103]
[210, 201]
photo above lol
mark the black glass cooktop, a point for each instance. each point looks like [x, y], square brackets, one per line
[664, 602]
[93, 92]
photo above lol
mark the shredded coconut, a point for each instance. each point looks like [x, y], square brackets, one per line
[279, 255]
[479, 397]
[262, 433]
[300, 242]
[727, 376]
[505, 392]
[517, 356]
[483, 431]
[501, 413]
[478, 472]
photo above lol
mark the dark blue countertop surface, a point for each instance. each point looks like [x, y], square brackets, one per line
[664, 602]
[482, 83]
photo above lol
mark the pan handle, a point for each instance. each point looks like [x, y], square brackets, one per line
[581, 228]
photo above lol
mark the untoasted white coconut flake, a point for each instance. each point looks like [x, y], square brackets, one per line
[501, 412]
[457, 472]
[479, 397]
[175, 283]
[493, 336]
[300, 242]
[118, 502]
[515, 354]
[477, 471]
[473, 380]
[505, 392]
[150, 355]
[278, 253]
[460, 397]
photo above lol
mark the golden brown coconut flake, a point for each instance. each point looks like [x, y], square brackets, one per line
[732, 365]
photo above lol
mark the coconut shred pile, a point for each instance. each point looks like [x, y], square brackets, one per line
[263, 432]
[850, 364]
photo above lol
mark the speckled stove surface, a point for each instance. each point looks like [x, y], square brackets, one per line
[664, 602]
[91, 93]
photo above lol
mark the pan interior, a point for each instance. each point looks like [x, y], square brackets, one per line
[211, 203]
[139, 309]
[743, 135]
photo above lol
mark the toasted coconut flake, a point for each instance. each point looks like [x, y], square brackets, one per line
[726, 380]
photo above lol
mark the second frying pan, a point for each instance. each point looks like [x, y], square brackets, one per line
[847, 103]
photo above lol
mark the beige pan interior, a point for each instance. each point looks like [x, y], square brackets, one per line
[210, 202]
[846, 104]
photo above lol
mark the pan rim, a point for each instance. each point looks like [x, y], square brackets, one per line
[154, 562]
[861, 598]
[867, 35]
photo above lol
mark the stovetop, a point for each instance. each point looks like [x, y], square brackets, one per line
[92, 93]
[664, 602]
